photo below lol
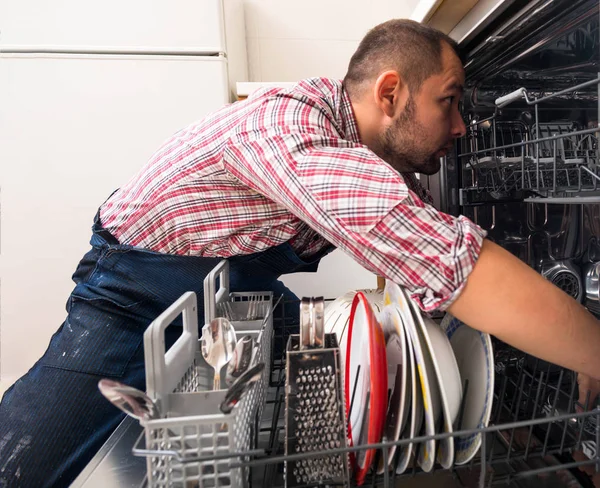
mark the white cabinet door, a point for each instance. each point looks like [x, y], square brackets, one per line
[121, 25]
[72, 130]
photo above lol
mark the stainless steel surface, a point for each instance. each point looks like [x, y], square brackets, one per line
[566, 276]
[312, 325]
[241, 359]
[314, 401]
[218, 344]
[241, 385]
[592, 286]
[130, 400]
[114, 466]
[314, 419]
[482, 13]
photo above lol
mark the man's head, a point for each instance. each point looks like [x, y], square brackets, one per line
[405, 82]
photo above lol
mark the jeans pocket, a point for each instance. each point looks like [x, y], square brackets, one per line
[96, 338]
[104, 328]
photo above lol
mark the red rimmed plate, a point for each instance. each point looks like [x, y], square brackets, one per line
[365, 384]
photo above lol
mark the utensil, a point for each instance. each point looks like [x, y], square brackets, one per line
[130, 400]
[218, 345]
[314, 402]
[242, 356]
[240, 386]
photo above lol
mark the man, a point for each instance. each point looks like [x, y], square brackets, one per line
[272, 184]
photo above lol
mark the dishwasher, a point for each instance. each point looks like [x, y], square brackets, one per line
[527, 172]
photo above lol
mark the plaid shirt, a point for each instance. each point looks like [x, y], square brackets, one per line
[287, 165]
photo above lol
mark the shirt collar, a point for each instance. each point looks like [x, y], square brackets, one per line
[348, 119]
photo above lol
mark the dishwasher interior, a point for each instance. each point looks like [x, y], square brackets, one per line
[527, 172]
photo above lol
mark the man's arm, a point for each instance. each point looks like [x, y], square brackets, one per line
[506, 298]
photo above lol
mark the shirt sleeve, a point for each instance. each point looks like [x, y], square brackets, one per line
[360, 204]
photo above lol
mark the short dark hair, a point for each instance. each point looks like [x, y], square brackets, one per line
[412, 49]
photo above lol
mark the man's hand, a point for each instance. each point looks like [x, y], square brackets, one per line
[587, 386]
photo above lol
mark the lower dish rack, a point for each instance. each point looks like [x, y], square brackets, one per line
[539, 435]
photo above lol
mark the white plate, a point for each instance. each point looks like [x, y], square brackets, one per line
[399, 389]
[429, 387]
[475, 358]
[415, 410]
[337, 315]
[447, 377]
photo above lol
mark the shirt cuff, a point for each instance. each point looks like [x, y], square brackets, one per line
[461, 259]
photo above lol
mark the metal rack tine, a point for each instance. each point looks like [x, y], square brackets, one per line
[483, 463]
[582, 422]
[512, 431]
[537, 397]
[550, 425]
[352, 397]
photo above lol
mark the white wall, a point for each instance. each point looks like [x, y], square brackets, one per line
[290, 40]
[287, 40]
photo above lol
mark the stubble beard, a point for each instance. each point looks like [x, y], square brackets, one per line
[398, 145]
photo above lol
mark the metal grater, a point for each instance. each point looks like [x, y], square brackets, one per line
[315, 412]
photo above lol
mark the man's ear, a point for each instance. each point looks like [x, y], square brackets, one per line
[390, 93]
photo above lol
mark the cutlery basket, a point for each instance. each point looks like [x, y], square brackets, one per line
[192, 443]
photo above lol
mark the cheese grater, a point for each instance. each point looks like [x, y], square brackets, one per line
[315, 411]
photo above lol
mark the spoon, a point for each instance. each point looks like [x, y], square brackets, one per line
[242, 357]
[241, 385]
[218, 344]
[130, 400]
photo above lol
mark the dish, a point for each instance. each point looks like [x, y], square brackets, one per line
[475, 358]
[429, 388]
[415, 412]
[399, 389]
[337, 314]
[447, 376]
[365, 394]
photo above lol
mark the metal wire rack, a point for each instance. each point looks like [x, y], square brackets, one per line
[530, 156]
[539, 435]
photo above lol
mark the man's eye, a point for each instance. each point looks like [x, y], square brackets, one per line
[449, 99]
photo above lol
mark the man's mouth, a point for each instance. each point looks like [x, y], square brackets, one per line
[444, 150]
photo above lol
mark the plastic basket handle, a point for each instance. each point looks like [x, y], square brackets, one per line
[212, 296]
[165, 370]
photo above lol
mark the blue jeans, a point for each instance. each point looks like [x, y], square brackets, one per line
[53, 419]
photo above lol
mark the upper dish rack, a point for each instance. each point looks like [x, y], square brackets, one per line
[530, 158]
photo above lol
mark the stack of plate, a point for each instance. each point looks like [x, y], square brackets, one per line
[404, 378]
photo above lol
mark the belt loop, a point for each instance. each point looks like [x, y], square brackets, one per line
[102, 232]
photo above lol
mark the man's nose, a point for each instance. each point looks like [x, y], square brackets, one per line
[458, 126]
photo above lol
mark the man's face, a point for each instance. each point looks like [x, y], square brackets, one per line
[425, 130]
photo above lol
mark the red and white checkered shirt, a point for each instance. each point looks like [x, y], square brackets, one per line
[288, 165]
